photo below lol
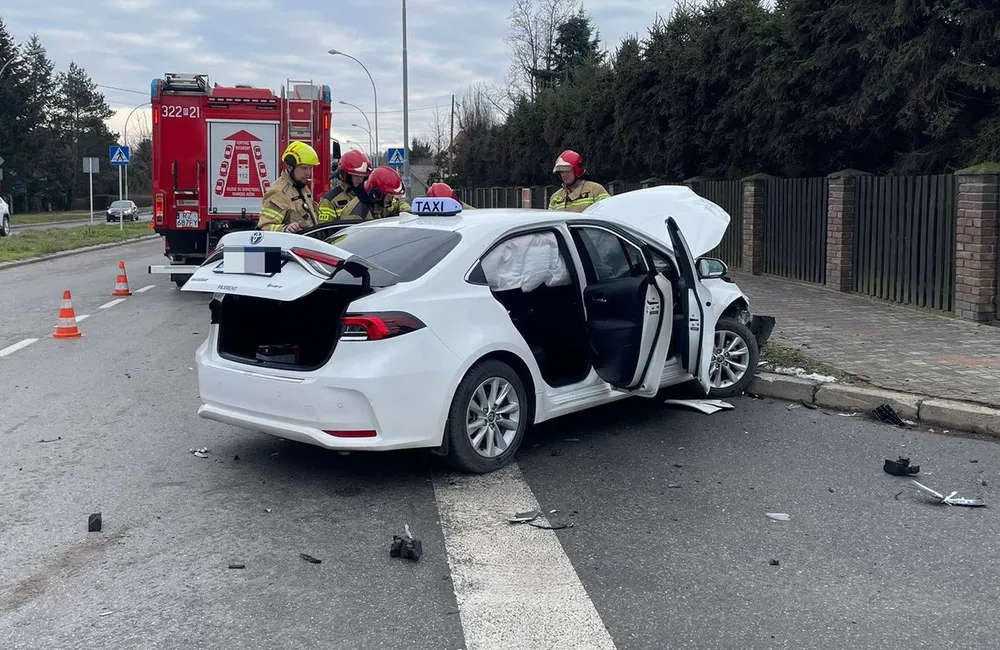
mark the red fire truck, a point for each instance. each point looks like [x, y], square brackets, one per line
[216, 151]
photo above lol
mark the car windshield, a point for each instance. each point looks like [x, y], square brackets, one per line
[406, 252]
[121, 204]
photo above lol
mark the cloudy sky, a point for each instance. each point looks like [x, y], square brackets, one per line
[123, 44]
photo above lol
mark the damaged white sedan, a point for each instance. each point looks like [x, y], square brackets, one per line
[456, 332]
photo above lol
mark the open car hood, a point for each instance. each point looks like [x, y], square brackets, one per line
[246, 251]
[702, 221]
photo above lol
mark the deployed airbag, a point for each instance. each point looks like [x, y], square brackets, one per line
[526, 262]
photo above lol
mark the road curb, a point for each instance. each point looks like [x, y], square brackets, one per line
[931, 411]
[76, 251]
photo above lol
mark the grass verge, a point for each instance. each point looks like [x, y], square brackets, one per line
[44, 241]
[52, 217]
[782, 357]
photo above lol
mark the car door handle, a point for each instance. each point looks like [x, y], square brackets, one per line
[600, 299]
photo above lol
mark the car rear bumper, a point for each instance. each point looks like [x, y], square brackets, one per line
[386, 387]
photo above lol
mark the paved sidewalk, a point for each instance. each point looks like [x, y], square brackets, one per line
[891, 347]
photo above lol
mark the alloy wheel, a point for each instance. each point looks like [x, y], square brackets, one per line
[493, 417]
[730, 359]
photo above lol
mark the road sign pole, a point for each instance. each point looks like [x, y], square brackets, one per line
[126, 181]
[121, 219]
[91, 175]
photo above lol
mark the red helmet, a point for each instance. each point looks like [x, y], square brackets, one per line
[567, 161]
[384, 181]
[441, 191]
[354, 162]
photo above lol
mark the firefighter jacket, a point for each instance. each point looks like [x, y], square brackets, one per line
[368, 211]
[578, 198]
[286, 203]
[333, 202]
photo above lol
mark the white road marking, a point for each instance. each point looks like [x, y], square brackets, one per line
[112, 303]
[82, 317]
[514, 584]
[10, 349]
[145, 288]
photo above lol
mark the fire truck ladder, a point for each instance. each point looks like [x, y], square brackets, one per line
[300, 117]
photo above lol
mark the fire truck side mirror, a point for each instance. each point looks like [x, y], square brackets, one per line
[335, 150]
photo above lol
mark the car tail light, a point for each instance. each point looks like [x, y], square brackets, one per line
[383, 325]
[320, 261]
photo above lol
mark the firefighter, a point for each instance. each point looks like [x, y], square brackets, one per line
[382, 197]
[441, 190]
[576, 194]
[352, 172]
[288, 206]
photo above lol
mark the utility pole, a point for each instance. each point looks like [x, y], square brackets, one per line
[451, 141]
[406, 116]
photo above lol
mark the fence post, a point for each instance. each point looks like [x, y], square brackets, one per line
[526, 198]
[976, 242]
[841, 217]
[753, 223]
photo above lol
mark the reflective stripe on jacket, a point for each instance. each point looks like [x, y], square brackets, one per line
[585, 194]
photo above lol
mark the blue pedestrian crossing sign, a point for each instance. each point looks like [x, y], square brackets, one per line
[119, 155]
[396, 157]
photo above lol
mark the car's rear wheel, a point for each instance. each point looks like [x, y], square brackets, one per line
[488, 418]
[734, 359]
[4, 226]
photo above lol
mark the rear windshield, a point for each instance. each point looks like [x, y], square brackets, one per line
[121, 204]
[406, 252]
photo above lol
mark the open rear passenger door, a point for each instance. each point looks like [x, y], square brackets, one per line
[629, 309]
[697, 343]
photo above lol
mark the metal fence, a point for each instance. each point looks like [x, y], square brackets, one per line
[795, 212]
[729, 196]
[904, 239]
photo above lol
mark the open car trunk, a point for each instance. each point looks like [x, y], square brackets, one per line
[299, 335]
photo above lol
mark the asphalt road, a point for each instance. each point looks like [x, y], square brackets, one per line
[670, 546]
[99, 219]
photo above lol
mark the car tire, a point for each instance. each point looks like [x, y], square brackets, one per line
[4, 226]
[462, 453]
[731, 329]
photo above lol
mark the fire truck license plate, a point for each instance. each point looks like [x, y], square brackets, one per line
[187, 219]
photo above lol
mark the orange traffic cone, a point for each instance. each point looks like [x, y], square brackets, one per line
[121, 282]
[67, 329]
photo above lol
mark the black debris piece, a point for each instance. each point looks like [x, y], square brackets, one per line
[888, 415]
[310, 559]
[94, 523]
[556, 452]
[900, 467]
[550, 526]
[897, 495]
[406, 547]
[237, 566]
[53, 440]
[236, 458]
[809, 405]
[774, 563]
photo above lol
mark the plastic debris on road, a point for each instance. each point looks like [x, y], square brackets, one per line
[885, 413]
[94, 523]
[200, 453]
[951, 499]
[778, 516]
[406, 546]
[310, 559]
[900, 467]
[706, 406]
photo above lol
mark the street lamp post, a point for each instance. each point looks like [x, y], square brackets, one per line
[374, 92]
[364, 115]
[369, 135]
[125, 136]
[406, 116]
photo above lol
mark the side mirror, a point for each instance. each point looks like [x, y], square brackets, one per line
[709, 267]
[335, 150]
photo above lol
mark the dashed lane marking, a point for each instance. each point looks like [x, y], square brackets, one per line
[10, 349]
[82, 317]
[112, 303]
[514, 584]
[145, 288]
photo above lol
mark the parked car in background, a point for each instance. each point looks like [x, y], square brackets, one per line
[457, 332]
[126, 210]
[4, 218]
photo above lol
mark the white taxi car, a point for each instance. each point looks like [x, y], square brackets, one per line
[456, 332]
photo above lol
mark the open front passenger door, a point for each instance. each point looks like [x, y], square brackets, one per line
[696, 344]
[629, 307]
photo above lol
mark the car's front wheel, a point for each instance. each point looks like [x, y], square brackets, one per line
[4, 226]
[489, 415]
[734, 359]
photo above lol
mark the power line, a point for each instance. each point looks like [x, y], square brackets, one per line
[139, 92]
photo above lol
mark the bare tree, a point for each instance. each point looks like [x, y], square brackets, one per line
[534, 25]
[476, 110]
[439, 130]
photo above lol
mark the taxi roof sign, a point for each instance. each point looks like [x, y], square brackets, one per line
[426, 206]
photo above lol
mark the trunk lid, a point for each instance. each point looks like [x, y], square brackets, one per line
[275, 265]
